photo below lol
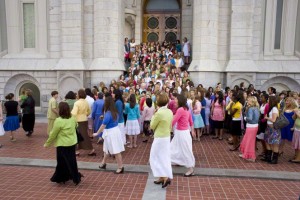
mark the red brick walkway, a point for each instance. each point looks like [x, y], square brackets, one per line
[209, 153]
[33, 183]
[231, 188]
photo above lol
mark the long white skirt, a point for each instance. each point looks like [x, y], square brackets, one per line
[113, 142]
[182, 149]
[160, 158]
[122, 129]
[132, 127]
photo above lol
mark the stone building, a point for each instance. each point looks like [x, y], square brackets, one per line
[63, 45]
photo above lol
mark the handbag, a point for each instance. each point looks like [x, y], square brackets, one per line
[79, 136]
[281, 122]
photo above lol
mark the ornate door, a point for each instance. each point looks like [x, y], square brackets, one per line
[160, 27]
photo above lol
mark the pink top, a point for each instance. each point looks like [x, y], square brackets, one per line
[218, 112]
[183, 119]
[148, 113]
[173, 106]
[197, 108]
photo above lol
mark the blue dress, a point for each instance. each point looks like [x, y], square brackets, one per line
[203, 103]
[97, 111]
[286, 133]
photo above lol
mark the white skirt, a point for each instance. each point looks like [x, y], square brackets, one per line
[122, 129]
[2, 131]
[160, 158]
[132, 127]
[113, 142]
[182, 149]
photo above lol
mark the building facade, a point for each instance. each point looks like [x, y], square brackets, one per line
[64, 45]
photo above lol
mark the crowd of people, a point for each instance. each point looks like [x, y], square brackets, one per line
[156, 97]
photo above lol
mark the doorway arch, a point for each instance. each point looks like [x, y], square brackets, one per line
[161, 20]
[35, 92]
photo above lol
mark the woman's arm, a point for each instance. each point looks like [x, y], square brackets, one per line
[101, 129]
[177, 116]
[53, 134]
[155, 121]
[249, 115]
[74, 111]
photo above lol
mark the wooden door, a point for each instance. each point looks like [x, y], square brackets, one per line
[160, 27]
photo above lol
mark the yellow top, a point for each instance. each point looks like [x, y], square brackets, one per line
[161, 123]
[81, 110]
[237, 106]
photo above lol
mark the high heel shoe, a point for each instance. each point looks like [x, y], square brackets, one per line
[158, 182]
[168, 182]
[102, 166]
[92, 154]
[119, 172]
[189, 175]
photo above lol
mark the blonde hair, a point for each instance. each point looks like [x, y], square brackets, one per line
[252, 101]
[293, 104]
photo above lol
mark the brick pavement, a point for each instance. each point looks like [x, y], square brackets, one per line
[209, 153]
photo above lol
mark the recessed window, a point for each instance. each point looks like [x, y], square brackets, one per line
[278, 24]
[29, 25]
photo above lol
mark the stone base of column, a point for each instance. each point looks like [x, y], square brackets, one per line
[241, 66]
[207, 79]
[205, 65]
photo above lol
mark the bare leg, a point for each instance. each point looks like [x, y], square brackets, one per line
[135, 140]
[275, 148]
[119, 160]
[221, 133]
[104, 158]
[131, 141]
[198, 134]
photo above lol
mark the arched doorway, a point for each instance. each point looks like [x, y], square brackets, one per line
[35, 90]
[161, 20]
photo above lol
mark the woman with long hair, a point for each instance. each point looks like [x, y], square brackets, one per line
[97, 114]
[236, 123]
[160, 159]
[181, 144]
[81, 111]
[197, 118]
[63, 135]
[132, 125]
[272, 135]
[12, 118]
[218, 115]
[117, 95]
[113, 142]
[247, 146]
[28, 109]
[286, 132]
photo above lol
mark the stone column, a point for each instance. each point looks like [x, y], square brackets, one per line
[242, 26]
[205, 65]
[289, 26]
[71, 36]
[241, 55]
[108, 40]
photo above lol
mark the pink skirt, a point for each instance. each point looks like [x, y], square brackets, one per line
[248, 143]
[296, 139]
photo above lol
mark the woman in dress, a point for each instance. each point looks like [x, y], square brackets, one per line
[197, 118]
[113, 142]
[12, 118]
[252, 117]
[28, 109]
[63, 135]
[132, 128]
[286, 132]
[160, 153]
[97, 114]
[296, 137]
[148, 113]
[236, 123]
[117, 95]
[272, 136]
[207, 112]
[80, 111]
[181, 144]
[218, 115]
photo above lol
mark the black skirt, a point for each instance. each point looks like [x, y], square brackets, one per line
[236, 128]
[218, 124]
[28, 121]
[146, 128]
[66, 168]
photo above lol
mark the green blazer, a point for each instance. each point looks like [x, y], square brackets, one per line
[161, 122]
